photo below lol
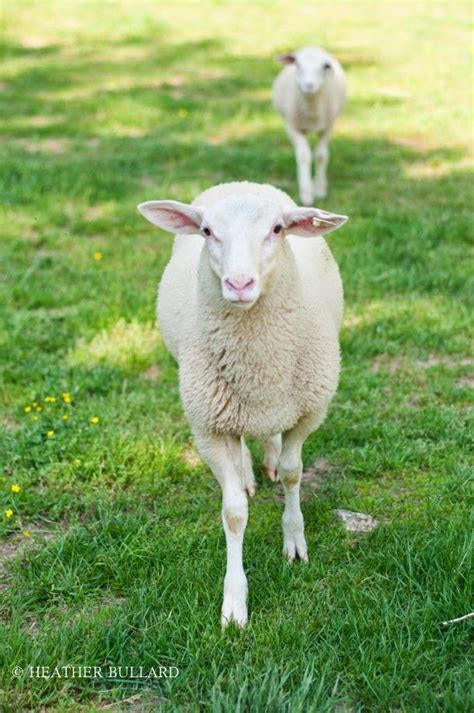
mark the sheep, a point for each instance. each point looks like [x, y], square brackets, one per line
[251, 312]
[310, 93]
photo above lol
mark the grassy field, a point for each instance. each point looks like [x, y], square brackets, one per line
[112, 547]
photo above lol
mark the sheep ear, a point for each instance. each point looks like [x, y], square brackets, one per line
[286, 58]
[172, 216]
[311, 222]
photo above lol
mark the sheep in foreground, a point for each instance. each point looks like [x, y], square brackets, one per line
[309, 93]
[251, 309]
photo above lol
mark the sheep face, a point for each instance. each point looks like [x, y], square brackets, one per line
[312, 65]
[243, 235]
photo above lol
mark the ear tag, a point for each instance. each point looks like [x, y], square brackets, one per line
[319, 222]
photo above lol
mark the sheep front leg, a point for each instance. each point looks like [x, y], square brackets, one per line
[290, 468]
[303, 164]
[223, 455]
[321, 159]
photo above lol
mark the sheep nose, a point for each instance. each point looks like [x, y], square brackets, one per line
[240, 285]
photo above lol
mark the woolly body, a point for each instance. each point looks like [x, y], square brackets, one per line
[254, 372]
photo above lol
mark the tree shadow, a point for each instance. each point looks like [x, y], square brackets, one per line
[193, 96]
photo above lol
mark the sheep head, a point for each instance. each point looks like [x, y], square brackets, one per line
[243, 235]
[312, 66]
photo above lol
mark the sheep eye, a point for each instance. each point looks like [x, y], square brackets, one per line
[277, 229]
[206, 231]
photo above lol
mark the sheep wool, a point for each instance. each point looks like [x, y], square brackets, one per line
[253, 372]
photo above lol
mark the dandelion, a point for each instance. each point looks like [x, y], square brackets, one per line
[98, 255]
[66, 397]
[38, 408]
[95, 420]
[35, 404]
[27, 409]
[77, 461]
[50, 399]
[35, 418]
[182, 113]
[26, 533]
[15, 488]
[9, 512]
[65, 417]
[51, 434]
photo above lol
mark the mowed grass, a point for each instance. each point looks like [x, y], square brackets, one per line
[114, 552]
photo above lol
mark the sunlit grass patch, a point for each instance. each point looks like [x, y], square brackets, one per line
[127, 345]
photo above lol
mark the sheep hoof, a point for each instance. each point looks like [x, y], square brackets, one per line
[233, 612]
[250, 488]
[271, 473]
[295, 549]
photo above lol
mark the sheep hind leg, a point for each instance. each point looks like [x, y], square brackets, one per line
[272, 454]
[321, 160]
[248, 478]
[290, 468]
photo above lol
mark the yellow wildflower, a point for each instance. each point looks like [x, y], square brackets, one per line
[35, 418]
[51, 434]
[9, 512]
[27, 409]
[26, 533]
[67, 398]
[95, 420]
[65, 417]
[182, 113]
[35, 404]
[15, 488]
[38, 408]
[98, 255]
[77, 461]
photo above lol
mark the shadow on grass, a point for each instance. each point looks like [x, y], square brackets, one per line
[200, 122]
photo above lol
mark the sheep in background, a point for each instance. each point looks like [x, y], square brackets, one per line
[251, 309]
[310, 93]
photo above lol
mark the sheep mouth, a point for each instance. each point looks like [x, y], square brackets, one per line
[243, 304]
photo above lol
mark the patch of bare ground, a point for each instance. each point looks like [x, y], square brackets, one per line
[53, 146]
[465, 382]
[18, 544]
[42, 120]
[152, 374]
[383, 362]
[191, 457]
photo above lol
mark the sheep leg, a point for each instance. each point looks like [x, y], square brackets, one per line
[321, 159]
[272, 453]
[223, 455]
[303, 164]
[290, 468]
[248, 478]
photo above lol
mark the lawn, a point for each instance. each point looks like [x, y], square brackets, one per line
[112, 549]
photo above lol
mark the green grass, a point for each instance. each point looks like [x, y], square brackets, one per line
[104, 106]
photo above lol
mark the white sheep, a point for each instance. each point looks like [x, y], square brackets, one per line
[310, 93]
[251, 312]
